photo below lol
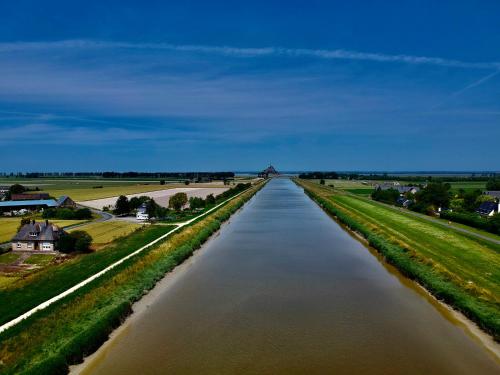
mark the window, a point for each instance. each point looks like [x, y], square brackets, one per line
[18, 245]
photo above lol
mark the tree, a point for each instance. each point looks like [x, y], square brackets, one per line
[83, 240]
[136, 202]
[187, 182]
[177, 201]
[388, 196]
[493, 184]
[322, 182]
[17, 189]
[152, 208]
[23, 222]
[162, 182]
[75, 241]
[210, 200]
[196, 202]
[470, 198]
[484, 198]
[436, 194]
[122, 205]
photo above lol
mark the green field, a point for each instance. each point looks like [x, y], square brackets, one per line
[8, 226]
[105, 232]
[88, 189]
[470, 264]
[455, 186]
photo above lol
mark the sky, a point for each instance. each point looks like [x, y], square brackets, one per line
[226, 85]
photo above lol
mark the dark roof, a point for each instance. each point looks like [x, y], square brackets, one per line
[493, 193]
[63, 199]
[44, 231]
[28, 196]
[487, 207]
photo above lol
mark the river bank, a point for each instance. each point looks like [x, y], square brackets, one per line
[271, 294]
[430, 276]
[68, 331]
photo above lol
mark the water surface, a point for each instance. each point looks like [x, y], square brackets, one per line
[283, 289]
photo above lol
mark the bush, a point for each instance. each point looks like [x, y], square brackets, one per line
[389, 196]
[78, 241]
[474, 220]
[67, 213]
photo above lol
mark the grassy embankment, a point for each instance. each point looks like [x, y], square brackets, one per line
[64, 333]
[8, 226]
[36, 288]
[459, 269]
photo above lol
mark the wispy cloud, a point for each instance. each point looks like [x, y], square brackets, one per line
[328, 54]
[476, 83]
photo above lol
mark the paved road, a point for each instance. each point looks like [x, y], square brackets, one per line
[103, 216]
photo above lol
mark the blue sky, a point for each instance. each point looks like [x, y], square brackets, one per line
[332, 85]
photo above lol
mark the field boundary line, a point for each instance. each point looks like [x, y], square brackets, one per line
[88, 280]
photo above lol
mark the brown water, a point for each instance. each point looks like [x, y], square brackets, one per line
[283, 289]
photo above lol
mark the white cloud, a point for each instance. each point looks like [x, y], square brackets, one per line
[336, 54]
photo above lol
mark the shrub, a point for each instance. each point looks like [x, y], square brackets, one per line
[78, 240]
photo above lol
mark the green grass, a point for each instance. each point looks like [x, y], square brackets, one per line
[8, 226]
[459, 268]
[54, 279]
[65, 332]
[467, 185]
[8, 258]
[40, 259]
[361, 191]
[105, 232]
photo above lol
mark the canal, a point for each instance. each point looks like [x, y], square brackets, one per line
[283, 289]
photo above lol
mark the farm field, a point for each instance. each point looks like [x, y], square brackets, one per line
[160, 196]
[107, 231]
[89, 189]
[8, 226]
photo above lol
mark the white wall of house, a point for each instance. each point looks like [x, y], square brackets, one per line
[32, 246]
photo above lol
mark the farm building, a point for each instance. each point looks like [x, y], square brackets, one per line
[35, 236]
[399, 188]
[6, 206]
[66, 202]
[29, 197]
[488, 208]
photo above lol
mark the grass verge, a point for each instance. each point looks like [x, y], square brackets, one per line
[55, 278]
[76, 326]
